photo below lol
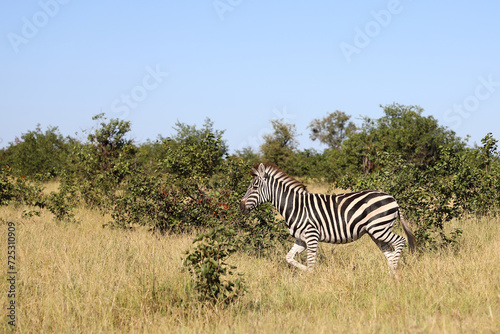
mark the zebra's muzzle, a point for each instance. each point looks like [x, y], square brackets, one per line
[243, 207]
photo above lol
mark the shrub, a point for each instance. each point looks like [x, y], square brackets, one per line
[97, 169]
[434, 195]
[38, 153]
[147, 200]
[6, 185]
[60, 206]
[196, 187]
[207, 263]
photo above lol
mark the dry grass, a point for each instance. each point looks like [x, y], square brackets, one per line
[83, 278]
[50, 186]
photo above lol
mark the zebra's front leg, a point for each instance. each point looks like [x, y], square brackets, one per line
[312, 249]
[298, 247]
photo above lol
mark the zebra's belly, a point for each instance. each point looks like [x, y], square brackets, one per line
[339, 237]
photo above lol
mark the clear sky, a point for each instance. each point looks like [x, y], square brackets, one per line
[242, 63]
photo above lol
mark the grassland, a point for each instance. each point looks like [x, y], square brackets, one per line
[82, 278]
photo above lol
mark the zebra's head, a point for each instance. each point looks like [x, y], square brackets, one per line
[258, 191]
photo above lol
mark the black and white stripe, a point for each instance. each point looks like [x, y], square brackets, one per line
[313, 218]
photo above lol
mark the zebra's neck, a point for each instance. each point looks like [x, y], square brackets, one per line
[283, 190]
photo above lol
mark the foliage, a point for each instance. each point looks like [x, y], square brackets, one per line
[38, 153]
[146, 201]
[279, 147]
[188, 181]
[149, 154]
[19, 190]
[309, 164]
[401, 131]
[426, 198]
[189, 134]
[6, 186]
[248, 155]
[488, 153]
[195, 156]
[27, 192]
[109, 141]
[196, 187]
[433, 195]
[333, 129]
[61, 206]
[207, 263]
[167, 203]
[477, 178]
[97, 169]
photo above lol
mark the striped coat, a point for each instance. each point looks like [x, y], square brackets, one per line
[313, 218]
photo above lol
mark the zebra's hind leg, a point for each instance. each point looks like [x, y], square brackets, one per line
[297, 248]
[391, 248]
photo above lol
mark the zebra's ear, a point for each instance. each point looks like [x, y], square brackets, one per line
[262, 169]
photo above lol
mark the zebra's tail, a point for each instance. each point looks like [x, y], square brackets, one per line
[409, 234]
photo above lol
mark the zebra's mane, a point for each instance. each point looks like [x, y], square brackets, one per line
[277, 172]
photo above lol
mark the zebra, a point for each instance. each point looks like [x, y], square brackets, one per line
[338, 219]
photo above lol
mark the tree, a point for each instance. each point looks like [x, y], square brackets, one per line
[401, 131]
[280, 146]
[97, 168]
[194, 152]
[189, 134]
[333, 129]
[38, 152]
[110, 139]
[248, 155]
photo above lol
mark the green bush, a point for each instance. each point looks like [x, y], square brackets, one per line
[196, 187]
[96, 169]
[6, 186]
[211, 273]
[189, 182]
[147, 200]
[38, 154]
[60, 206]
[433, 195]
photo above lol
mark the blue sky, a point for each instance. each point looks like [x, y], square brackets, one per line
[242, 63]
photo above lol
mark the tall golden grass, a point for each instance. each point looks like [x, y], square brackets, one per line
[82, 278]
